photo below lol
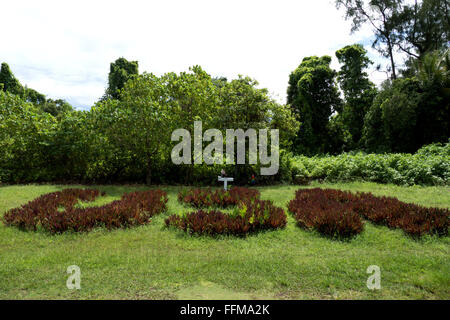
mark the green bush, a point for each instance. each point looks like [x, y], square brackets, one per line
[429, 166]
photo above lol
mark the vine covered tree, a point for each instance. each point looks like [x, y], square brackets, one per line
[120, 71]
[358, 90]
[8, 82]
[313, 94]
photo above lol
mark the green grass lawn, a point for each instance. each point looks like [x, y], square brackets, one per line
[153, 262]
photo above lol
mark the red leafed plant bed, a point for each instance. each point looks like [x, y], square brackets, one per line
[56, 212]
[338, 213]
[248, 216]
[201, 198]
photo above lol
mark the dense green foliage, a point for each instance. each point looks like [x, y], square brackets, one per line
[415, 28]
[422, 27]
[313, 95]
[129, 139]
[336, 124]
[428, 166]
[358, 90]
[9, 83]
[411, 112]
[120, 71]
[382, 17]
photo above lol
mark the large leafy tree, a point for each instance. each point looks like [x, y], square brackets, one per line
[120, 71]
[70, 152]
[391, 120]
[243, 105]
[383, 17]
[193, 97]
[314, 97]
[137, 124]
[25, 134]
[411, 112]
[433, 74]
[358, 90]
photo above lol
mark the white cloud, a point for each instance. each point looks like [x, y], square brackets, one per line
[64, 48]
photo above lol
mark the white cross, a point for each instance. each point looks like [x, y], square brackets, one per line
[225, 181]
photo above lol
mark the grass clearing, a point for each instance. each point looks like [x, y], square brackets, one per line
[153, 262]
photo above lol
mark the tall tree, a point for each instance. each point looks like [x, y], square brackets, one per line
[383, 16]
[411, 112]
[433, 74]
[134, 123]
[423, 27]
[313, 94]
[120, 71]
[358, 90]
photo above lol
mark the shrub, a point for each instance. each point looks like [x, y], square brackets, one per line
[249, 216]
[200, 198]
[56, 212]
[429, 166]
[318, 209]
[337, 213]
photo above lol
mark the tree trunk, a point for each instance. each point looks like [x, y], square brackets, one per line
[391, 55]
[148, 177]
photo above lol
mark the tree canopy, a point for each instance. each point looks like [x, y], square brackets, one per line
[313, 95]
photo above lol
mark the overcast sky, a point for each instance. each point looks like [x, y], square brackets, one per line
[63, 48]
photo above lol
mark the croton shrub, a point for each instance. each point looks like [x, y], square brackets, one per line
[201, 198]
[340, 213]
[248, 216]
[56, 212]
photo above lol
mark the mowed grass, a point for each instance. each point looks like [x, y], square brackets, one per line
[153, 262]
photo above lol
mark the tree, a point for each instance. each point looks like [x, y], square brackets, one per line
[139, 122]
[194, 96]
[390, 123]
[339, 137]
[423, 27]
[433, 75]
[57, 107]
[36, 98]
[244, 106]
[9, 82]
[120, 71]
[25, 134]
[410, 112]
[358, 90]
[383, 16]
[314, 97]
[70, 153]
